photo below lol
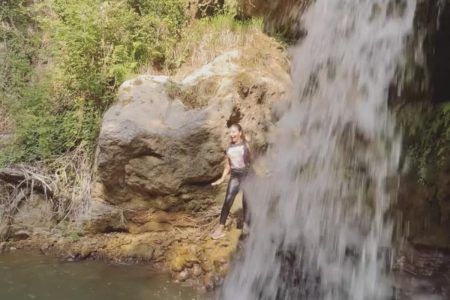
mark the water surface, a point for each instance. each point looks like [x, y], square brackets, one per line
[33, 276]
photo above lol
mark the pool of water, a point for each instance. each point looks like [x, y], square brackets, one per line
[33, 276]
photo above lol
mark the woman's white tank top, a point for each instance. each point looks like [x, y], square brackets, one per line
[238, 156]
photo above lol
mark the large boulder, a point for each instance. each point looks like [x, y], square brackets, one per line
[152, 147]
[163, 142]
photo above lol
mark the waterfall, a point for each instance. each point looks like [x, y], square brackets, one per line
[320, 227]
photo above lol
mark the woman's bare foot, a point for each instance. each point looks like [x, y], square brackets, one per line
[218, 233]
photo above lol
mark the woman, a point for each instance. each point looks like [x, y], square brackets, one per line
[237, 162]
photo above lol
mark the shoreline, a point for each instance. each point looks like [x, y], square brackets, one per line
[200, 263]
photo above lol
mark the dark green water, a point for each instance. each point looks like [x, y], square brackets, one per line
[31, 276]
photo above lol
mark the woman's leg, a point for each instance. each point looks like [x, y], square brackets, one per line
[232, 190]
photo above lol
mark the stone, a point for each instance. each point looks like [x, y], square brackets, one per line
[183, 256]
[151, 147]
[197, 270]
[35, 215]
[182, 276]
[103, 218]
[139, 250]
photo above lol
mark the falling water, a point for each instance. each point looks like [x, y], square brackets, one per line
[319, 216]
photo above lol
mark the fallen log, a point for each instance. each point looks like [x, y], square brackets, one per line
[26, 178]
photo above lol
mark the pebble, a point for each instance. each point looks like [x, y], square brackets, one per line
[183, 275]
[197, 270]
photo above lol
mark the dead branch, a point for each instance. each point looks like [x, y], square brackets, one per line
[22, 177]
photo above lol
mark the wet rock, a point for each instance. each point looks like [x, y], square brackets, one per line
[211, 281]
[182, 276]
[206, 260]
[103, 218]
[217, 254]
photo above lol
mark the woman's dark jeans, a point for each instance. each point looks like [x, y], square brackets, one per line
[234, 185]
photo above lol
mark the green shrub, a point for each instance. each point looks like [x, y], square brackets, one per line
[207, 38]
[97, 44]
[66, 59]
[427, 139]
[16, 33]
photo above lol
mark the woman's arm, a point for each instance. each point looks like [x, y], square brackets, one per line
[226, 171]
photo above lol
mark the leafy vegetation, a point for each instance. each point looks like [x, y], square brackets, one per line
[207, 38]
[427, 139]
[65, 60]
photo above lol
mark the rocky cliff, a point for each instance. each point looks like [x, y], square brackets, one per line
[419, 101]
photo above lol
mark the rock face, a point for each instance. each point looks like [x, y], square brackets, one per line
[163, 142]
[432, 28]
[281, 16]
[424, 205]
[424, 75]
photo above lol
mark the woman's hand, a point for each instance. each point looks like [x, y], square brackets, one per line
[226, 171]
[217, 182]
